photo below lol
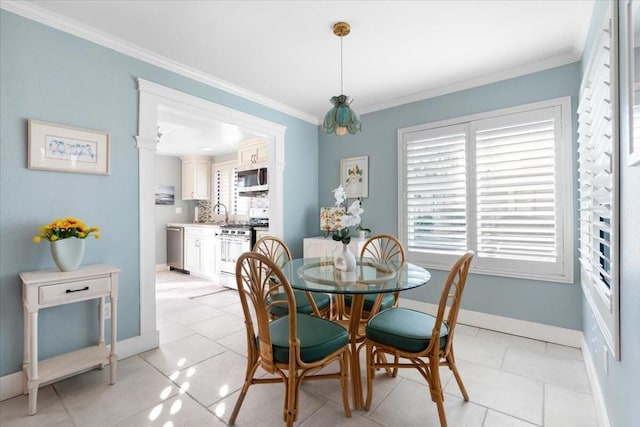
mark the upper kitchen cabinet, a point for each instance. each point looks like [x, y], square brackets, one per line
[196, 177]
[255, 152]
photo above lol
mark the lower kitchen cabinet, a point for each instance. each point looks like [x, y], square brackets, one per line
[202, 250]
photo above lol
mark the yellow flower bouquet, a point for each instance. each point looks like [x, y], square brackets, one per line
[64, 228]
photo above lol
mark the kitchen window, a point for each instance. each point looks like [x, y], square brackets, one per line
[498, 183]
[225, 186]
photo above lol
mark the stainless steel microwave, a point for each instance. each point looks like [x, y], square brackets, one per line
[252, 180]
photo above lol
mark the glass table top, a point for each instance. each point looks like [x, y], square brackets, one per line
[369, 277]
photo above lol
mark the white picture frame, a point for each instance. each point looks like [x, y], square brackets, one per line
[60, 148]
[354, 176]
[630, 79]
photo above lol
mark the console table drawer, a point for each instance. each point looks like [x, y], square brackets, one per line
[73, 291]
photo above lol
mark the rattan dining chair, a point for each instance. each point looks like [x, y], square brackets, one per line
[278, 252]
[381, 247]
[294, 347]
[420, 340]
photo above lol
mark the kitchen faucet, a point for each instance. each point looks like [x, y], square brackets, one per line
[226, 212]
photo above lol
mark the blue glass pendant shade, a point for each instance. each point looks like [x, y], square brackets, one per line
[341, 116]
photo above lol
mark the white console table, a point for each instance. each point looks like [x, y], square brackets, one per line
[48, 288]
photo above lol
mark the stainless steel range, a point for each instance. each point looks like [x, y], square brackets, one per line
[235, 239]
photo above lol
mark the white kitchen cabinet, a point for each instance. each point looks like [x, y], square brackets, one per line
[202, 250]
[325, 247]
[255, 152]
[196, 178]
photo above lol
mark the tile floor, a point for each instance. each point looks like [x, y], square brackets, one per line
[193, 379]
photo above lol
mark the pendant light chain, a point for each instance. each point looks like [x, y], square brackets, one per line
[341, 68]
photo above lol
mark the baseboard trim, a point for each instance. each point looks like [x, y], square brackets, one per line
[523, 328]
[596, 390]
[11, 385]
[162, 267]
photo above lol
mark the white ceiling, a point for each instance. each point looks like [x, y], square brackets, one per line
[284, 54]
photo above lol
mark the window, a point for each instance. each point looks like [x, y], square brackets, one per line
[498, 183]
[598, 179]
[225, 185]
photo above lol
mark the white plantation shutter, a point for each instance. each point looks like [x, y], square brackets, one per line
[436, 191]
[598, 185]
[226, 191]
[222, 193]
[240, 204]
[516, 186]
[497, 183]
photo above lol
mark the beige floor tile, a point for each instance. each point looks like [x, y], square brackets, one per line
[409, 404]
[219, 327]
[195, 314]
[479, 350]
[236, 342]
[466, 329]
[214, 379]
[505, 392]
[182, 353]
[332, 414]
[497, 419]
[171, 331]
[564, 351]
[220, 299]
[235, 309]
[565, 407]
[15, 412]
[179, 411]
[512, 341]
[91, 401]
[263, 406]
[548, 368]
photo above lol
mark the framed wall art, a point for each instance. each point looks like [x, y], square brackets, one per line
[354, 176]
[63, 148]
[630, 79]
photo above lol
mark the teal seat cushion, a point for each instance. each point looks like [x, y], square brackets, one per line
[387, 301]
[404, 329]
[302, 303]
[318, 337]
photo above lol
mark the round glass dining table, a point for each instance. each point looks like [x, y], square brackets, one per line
[370, 277]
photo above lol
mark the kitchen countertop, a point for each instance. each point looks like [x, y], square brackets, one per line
[194, 224]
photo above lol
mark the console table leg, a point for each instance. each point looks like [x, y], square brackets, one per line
[113, 356]
[33, 363]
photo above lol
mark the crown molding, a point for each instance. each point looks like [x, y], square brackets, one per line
[546, 64]
[78, 29]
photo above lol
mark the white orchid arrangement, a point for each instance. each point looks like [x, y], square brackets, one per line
[350, 219]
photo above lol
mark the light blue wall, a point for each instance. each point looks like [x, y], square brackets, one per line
[52, 76]
[620, 386]
[543, 302]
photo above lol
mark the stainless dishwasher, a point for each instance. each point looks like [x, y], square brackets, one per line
[175, 247]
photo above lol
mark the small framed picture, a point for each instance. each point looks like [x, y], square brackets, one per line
[165, 194]
[62, 148]
[354, 176]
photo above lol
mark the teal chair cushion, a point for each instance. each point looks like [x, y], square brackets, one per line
[387, 301]
[404, 329]
[302, 303]
[318, 337]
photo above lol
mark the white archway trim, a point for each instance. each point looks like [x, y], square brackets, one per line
[152, 97]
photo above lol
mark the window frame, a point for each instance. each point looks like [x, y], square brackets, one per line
[563, 271]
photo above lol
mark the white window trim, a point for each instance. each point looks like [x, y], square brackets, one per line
[565, 203]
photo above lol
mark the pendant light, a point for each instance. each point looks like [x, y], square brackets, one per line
[341, 118]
